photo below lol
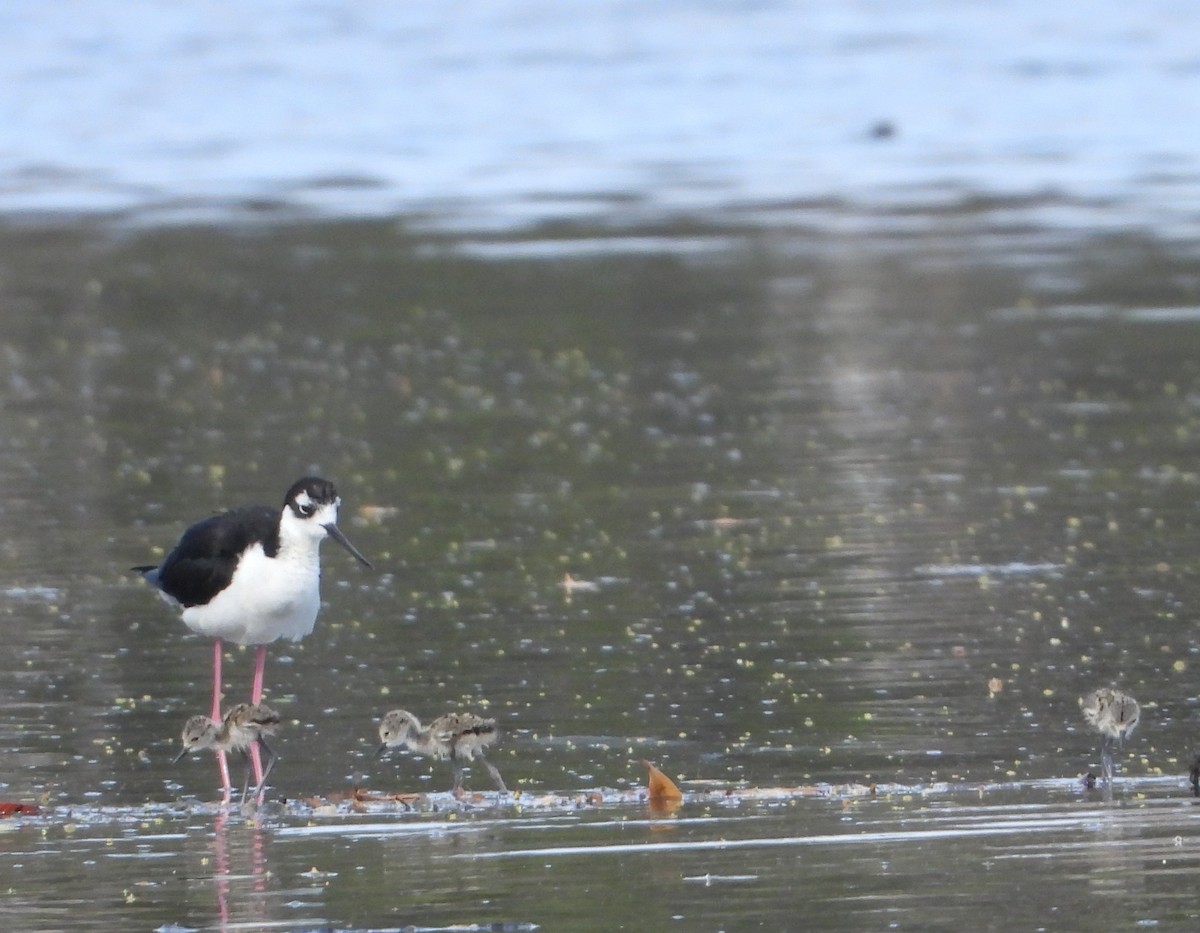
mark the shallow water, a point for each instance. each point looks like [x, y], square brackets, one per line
[941, 858]
[840, 510]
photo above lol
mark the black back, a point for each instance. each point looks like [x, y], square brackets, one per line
[202, 563]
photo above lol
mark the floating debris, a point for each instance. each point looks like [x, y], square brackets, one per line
[48, 594]
[571, 585]
[8, 808]
[375, 514]
[710, 880]
[663, 798]
[728, 521]
[1016, 568]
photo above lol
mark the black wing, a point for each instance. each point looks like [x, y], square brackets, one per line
[202, 563]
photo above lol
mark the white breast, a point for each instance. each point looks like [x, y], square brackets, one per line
[268, 598]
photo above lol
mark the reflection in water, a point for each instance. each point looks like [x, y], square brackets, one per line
[220, 861]
[1114, 865]
[239, 873]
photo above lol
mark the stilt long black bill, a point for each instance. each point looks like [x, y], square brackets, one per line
[336, 533]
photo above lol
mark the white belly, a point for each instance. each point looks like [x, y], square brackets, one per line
[268, 598]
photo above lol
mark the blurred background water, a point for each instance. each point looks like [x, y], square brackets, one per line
[843, 355]
[502, 113]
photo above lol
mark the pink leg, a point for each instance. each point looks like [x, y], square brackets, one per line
[217, 654]
[222, 761]
[256, 692]
[226, 784]
[260, 663]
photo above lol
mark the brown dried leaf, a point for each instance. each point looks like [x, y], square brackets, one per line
[660, 787]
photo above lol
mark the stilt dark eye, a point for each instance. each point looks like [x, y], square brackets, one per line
[307, 509]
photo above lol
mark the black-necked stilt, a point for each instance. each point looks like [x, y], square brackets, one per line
[1114, 714]
[457, 736]
[252, 575]
[241, 729]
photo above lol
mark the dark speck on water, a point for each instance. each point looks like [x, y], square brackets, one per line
[805, 400]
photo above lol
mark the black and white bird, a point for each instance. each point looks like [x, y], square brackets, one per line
[252, 575]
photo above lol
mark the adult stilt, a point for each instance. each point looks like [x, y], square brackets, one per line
[252, 575]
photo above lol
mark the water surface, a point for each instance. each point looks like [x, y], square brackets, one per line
[851, 510]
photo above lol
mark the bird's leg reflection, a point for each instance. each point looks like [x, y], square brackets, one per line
[221, 868]
[228, 883]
